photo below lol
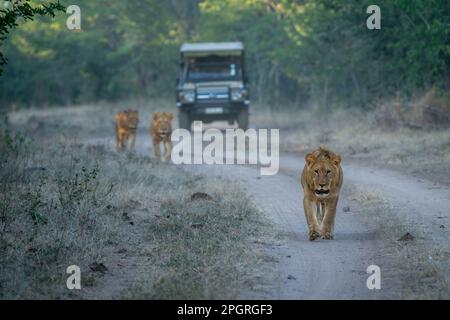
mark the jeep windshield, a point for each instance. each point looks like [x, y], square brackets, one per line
[213, 68]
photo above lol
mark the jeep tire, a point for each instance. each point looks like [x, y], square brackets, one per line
[242, 119]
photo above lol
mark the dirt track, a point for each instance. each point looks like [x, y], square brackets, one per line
[333, 269]
[313, 270]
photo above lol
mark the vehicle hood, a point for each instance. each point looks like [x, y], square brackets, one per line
[230, 84]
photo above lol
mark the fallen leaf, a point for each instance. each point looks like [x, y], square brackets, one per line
[201, 196]
[98, 267]
[406, 237]
[197, 225]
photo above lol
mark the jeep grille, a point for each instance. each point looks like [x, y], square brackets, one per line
[212, 94]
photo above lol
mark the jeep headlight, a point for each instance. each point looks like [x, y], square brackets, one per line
[238, 94]
[187, 96]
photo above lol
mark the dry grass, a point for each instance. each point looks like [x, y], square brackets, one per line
[85, 121]
[423, 264]
[360, 136]
[67, 203]
[197, 241]
[64, 203]
[53, 214]
[404, 138]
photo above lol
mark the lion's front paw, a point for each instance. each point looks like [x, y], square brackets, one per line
[327, 236]
[313, 235]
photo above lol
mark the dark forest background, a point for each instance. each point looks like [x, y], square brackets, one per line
[298, 52]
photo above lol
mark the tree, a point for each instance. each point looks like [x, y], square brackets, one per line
[22, 9]
[297, 51]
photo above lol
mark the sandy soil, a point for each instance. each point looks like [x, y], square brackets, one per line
[337, 269]
[377, 207]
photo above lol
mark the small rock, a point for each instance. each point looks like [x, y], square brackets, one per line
[197, 225]
[406, 237]
[442, 226]
[346, 209]
[36, 169]
[288, 256]
[201, 196]
[121, 250]
[132, 223]
[290, 277]
[98, 267]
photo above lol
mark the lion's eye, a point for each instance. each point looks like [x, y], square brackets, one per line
[316, 171]
[328, 171]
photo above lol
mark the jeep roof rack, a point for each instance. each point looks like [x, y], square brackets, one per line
[212, 47]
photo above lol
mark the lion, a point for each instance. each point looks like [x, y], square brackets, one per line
[321, 179]
[161, 131]
[126, 126]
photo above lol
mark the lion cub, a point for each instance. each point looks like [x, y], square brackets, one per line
[126, 125]
[321, 180]
[161, 131]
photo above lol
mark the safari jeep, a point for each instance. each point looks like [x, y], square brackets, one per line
[211, 84]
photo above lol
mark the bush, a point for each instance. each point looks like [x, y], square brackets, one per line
[51, 216]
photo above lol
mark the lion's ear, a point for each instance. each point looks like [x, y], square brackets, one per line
[310, 159]
[336, 159]
[156, 116]
[170, 116]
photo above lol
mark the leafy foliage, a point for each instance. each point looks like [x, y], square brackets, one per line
[297, 51]
[26, 10]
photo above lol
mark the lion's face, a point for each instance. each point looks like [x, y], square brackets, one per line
[323, 173]
[162, 122]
